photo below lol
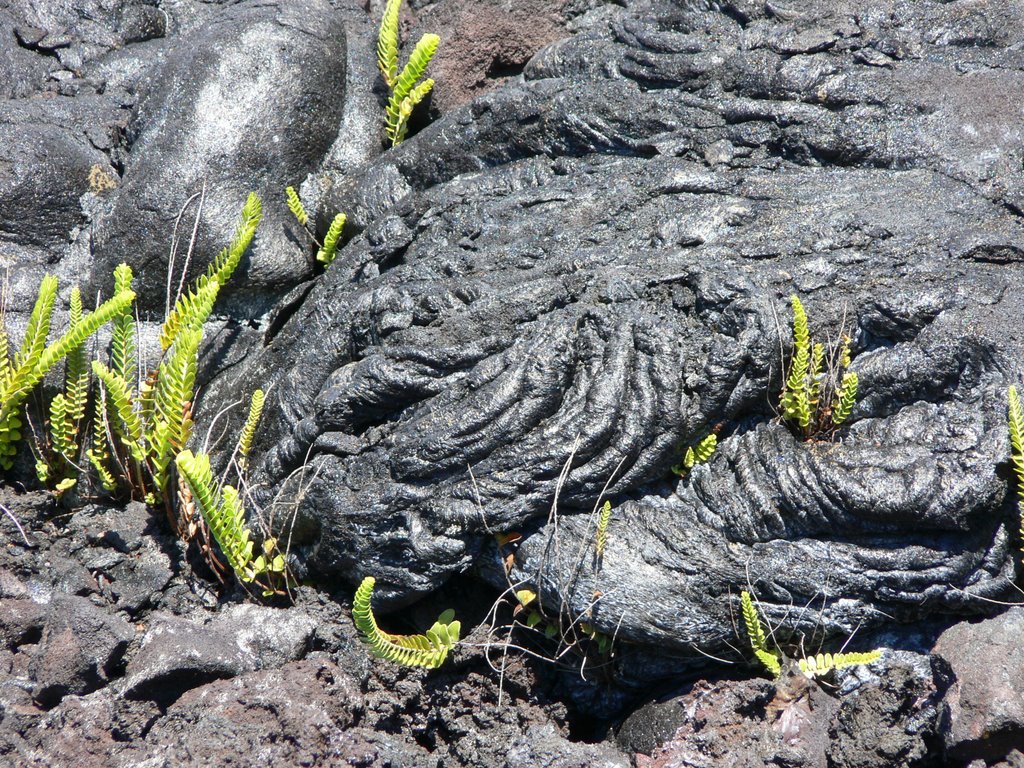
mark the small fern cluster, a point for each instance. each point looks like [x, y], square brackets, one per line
[407, 88]
[150, 423]
[328, 249]
[427, 650]
[224, 514]
[697, 454]
[21, 373]
[816, 400]
[810, 666]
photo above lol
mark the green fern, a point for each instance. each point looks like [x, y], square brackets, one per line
[329, 251]
[845, 399]
[249, 429]
[67, 409]
[387, 42]
[771, 659]
[151, 425]
[34, 358]
[122, 343]
[295, 206]
[796, 406]
[602, 529]
[825, 662]
[427, 650]
[816, 399]
[406, 89]
[128, 425]
[226, 520]
[1016, 421]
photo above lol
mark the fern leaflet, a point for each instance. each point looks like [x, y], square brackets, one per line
[405, 87]
[845, 399]
[295, 206]
[1016, 421]
[122, 343]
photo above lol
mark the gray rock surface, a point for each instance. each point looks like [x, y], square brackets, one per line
[588, 270]
[983, 710]
[80, 648]
[176, 654]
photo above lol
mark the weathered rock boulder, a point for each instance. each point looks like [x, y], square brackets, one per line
[250, 101]
[558, 288]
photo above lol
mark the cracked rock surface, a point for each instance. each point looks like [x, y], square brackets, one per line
[578, 265]
[556, 289]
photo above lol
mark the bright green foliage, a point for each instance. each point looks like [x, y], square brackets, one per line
[825, 662]
[845, 398]
[1016, 419]
[771, 659]
[154, 423]
[226, 520]
[122, 343]
[796, 407]
[602, 529]
[809, 665]
[426, 650]
[407, 90]
[34, 359]
[295, 206]
[329, 250]
[249, 430]
[127, 425]
[97, 454]
[387, 42]
[697, 454]
[819, 393]
[67, 409]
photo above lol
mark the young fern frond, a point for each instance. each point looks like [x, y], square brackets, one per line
[122, 342]
[99, 455]
[846, 398]
[225, 519]
[771, 659]
[697, 454]
[329, 250]
[128, 425]
[844, 353]
[1016, 421]
[38, 325]
[602, 529]
[796, 405]
[825, 662]
[401, 127]
[815, 399]
[249, 429]
[427, 650]
[295, 206]
[5, 352]
[387, 42]
[172, 414]
[405, 93]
